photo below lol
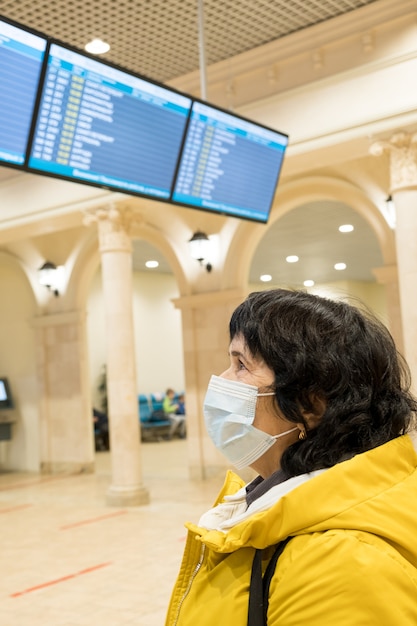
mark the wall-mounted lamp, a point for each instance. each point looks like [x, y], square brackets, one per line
[390, 211]
[48, 276]
[200, 248]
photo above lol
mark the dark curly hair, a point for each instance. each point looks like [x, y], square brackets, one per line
[331, 351]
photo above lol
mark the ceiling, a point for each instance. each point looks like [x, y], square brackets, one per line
[159, 39]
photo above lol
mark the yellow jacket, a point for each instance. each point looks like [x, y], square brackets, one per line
[352, 560]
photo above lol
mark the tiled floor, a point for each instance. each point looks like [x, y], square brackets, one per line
[68, 559]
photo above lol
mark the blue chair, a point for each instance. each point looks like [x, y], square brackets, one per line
[145, 410]
[157, 400]
[152, 426]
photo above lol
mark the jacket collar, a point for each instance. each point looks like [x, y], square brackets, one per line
[362, 493]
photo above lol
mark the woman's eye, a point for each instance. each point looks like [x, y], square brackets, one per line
[241, 366]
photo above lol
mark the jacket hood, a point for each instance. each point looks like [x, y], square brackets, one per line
[375, 492]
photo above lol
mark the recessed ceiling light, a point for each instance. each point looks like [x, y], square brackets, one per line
[308, 283]
[265, 278]
[293, 258]
[346, 228]
[151, 264]
[340, 266]
[97, 46]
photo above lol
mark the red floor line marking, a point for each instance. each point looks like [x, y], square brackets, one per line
[60, 580]
[15, 508]
[93, 520]
[35, 482]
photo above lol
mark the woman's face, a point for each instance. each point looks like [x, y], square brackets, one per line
[245, 368]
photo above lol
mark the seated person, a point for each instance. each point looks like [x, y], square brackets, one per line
[168, 404]
[181, 404]
[170, 408]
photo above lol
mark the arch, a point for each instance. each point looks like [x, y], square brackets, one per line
[28, 273]
[86, 259]
[247, 236]
[19, 361]
[159, 240]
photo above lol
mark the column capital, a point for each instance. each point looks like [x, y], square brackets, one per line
[114, 223]
[402, 150]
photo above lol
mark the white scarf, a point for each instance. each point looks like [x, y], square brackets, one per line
[234, 509]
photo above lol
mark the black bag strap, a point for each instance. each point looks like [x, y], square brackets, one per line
[256, 592]
[259, 586]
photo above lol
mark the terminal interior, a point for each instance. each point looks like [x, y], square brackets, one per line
[96, 536]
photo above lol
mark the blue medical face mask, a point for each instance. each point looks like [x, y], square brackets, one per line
[229, 412]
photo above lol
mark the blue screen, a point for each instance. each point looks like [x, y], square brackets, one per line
[21, 56]
[100, 125]
[6, 401]
[229, 165]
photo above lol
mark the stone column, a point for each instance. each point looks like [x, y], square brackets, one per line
[205, 320]
[402, 150]
[126, 488]
[387, 275]
[66, 422]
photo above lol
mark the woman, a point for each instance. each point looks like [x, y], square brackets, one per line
[316, 401]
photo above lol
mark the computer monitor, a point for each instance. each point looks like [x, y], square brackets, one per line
[229, 164]
[21, 57]
[6, 401]
[101, 125]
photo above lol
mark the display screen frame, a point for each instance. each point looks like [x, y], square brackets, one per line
[112, 67]
[30, 33]
[259, 133]
[249, 125]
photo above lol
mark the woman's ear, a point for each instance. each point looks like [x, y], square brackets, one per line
[312, 417]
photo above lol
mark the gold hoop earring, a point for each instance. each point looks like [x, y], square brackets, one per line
[302, 435]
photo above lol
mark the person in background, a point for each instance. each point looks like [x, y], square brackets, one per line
[317, 401]
[181, 404]
[101, 430]
[168, 404]
[170, 408]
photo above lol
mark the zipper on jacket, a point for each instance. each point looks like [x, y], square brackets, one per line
[190, 582]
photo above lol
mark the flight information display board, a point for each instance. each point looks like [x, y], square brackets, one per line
[21, 57]
[228, 164]
[100, 125]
